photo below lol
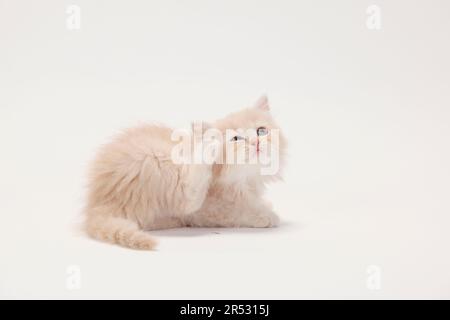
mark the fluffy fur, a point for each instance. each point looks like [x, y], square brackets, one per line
[134, 186]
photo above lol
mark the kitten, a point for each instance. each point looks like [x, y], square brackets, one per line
[135, 186]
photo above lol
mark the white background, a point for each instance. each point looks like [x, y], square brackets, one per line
[366, 113]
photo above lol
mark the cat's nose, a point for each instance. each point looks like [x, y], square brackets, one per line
[255, 142]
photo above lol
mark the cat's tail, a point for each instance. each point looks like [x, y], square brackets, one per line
[120, 231]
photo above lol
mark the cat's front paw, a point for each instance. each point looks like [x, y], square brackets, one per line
[266, 220]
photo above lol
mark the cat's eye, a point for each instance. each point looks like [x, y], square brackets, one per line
[262, 131]
[237, 138]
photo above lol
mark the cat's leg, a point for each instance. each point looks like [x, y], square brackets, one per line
[194, 178]
[194, 182]
[259, 216]
[234, 215]
[165, 222]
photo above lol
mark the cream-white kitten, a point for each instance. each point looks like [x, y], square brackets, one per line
[135, 185]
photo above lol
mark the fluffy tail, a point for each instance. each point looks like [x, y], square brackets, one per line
[123, 232]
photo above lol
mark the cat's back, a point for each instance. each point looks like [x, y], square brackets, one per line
[139, 142]
[130, 151]
[133, 161]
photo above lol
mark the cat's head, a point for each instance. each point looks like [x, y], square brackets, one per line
[254, 140]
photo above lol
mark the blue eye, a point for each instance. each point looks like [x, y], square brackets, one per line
[262, 131]
[237, 138]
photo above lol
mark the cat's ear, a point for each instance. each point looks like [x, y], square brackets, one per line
[262, 103]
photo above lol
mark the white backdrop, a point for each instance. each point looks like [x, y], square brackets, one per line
[365, 202]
